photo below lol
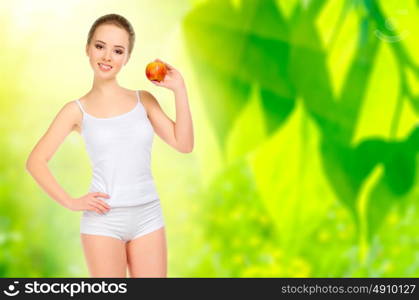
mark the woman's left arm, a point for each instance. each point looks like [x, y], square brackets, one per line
[179, 134]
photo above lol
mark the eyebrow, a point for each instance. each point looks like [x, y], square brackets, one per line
[115, 45]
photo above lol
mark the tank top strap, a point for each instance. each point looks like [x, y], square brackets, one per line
[138, 95]
[79, 104]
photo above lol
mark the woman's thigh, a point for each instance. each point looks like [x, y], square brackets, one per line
[105, 256]
[147, 255]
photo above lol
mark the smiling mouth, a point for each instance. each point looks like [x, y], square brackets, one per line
[105, 67]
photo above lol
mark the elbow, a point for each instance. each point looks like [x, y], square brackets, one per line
[29, 165]
[185, 150]
[185, 147]
[28, 168]
[189, 150]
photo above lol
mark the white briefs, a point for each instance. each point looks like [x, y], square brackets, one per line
[124, 223]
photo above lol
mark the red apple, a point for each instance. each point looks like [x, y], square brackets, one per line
[156, 71]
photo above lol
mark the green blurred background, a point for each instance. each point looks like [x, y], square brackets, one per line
[306, 146]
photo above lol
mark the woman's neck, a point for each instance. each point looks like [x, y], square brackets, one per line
[107, 88]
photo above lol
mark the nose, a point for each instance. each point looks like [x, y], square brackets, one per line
[107, 56]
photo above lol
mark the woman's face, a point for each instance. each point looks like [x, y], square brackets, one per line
[109, 46]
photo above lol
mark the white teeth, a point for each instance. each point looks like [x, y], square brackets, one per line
[105, 66]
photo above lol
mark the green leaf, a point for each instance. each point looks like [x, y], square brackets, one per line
[377, 112]
[289, 176]
[342, 42]
[248, 130]
[231, 48]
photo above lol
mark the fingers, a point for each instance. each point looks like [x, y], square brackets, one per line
[159, 60]
[170, 67]
[103, 205]
[99, 194]
[98, 207]
[158, 83]
[95, 208]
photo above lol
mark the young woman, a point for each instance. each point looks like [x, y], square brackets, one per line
[122, 226]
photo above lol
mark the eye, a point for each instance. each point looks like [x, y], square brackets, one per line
[97, 45]
[119, 52]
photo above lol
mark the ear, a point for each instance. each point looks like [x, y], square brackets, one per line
[87, 47]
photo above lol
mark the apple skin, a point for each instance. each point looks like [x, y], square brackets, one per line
[156, 71]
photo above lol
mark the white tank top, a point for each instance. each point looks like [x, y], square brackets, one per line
[120, 150]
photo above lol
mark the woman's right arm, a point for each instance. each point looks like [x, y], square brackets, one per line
[37, 162]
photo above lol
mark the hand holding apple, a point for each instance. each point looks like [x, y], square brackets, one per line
[165, 75]
[156, 70]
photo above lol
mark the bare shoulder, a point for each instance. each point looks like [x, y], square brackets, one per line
[71, 113]
[69, 110]
[149, 100]
[60, 127]
[71, 107]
